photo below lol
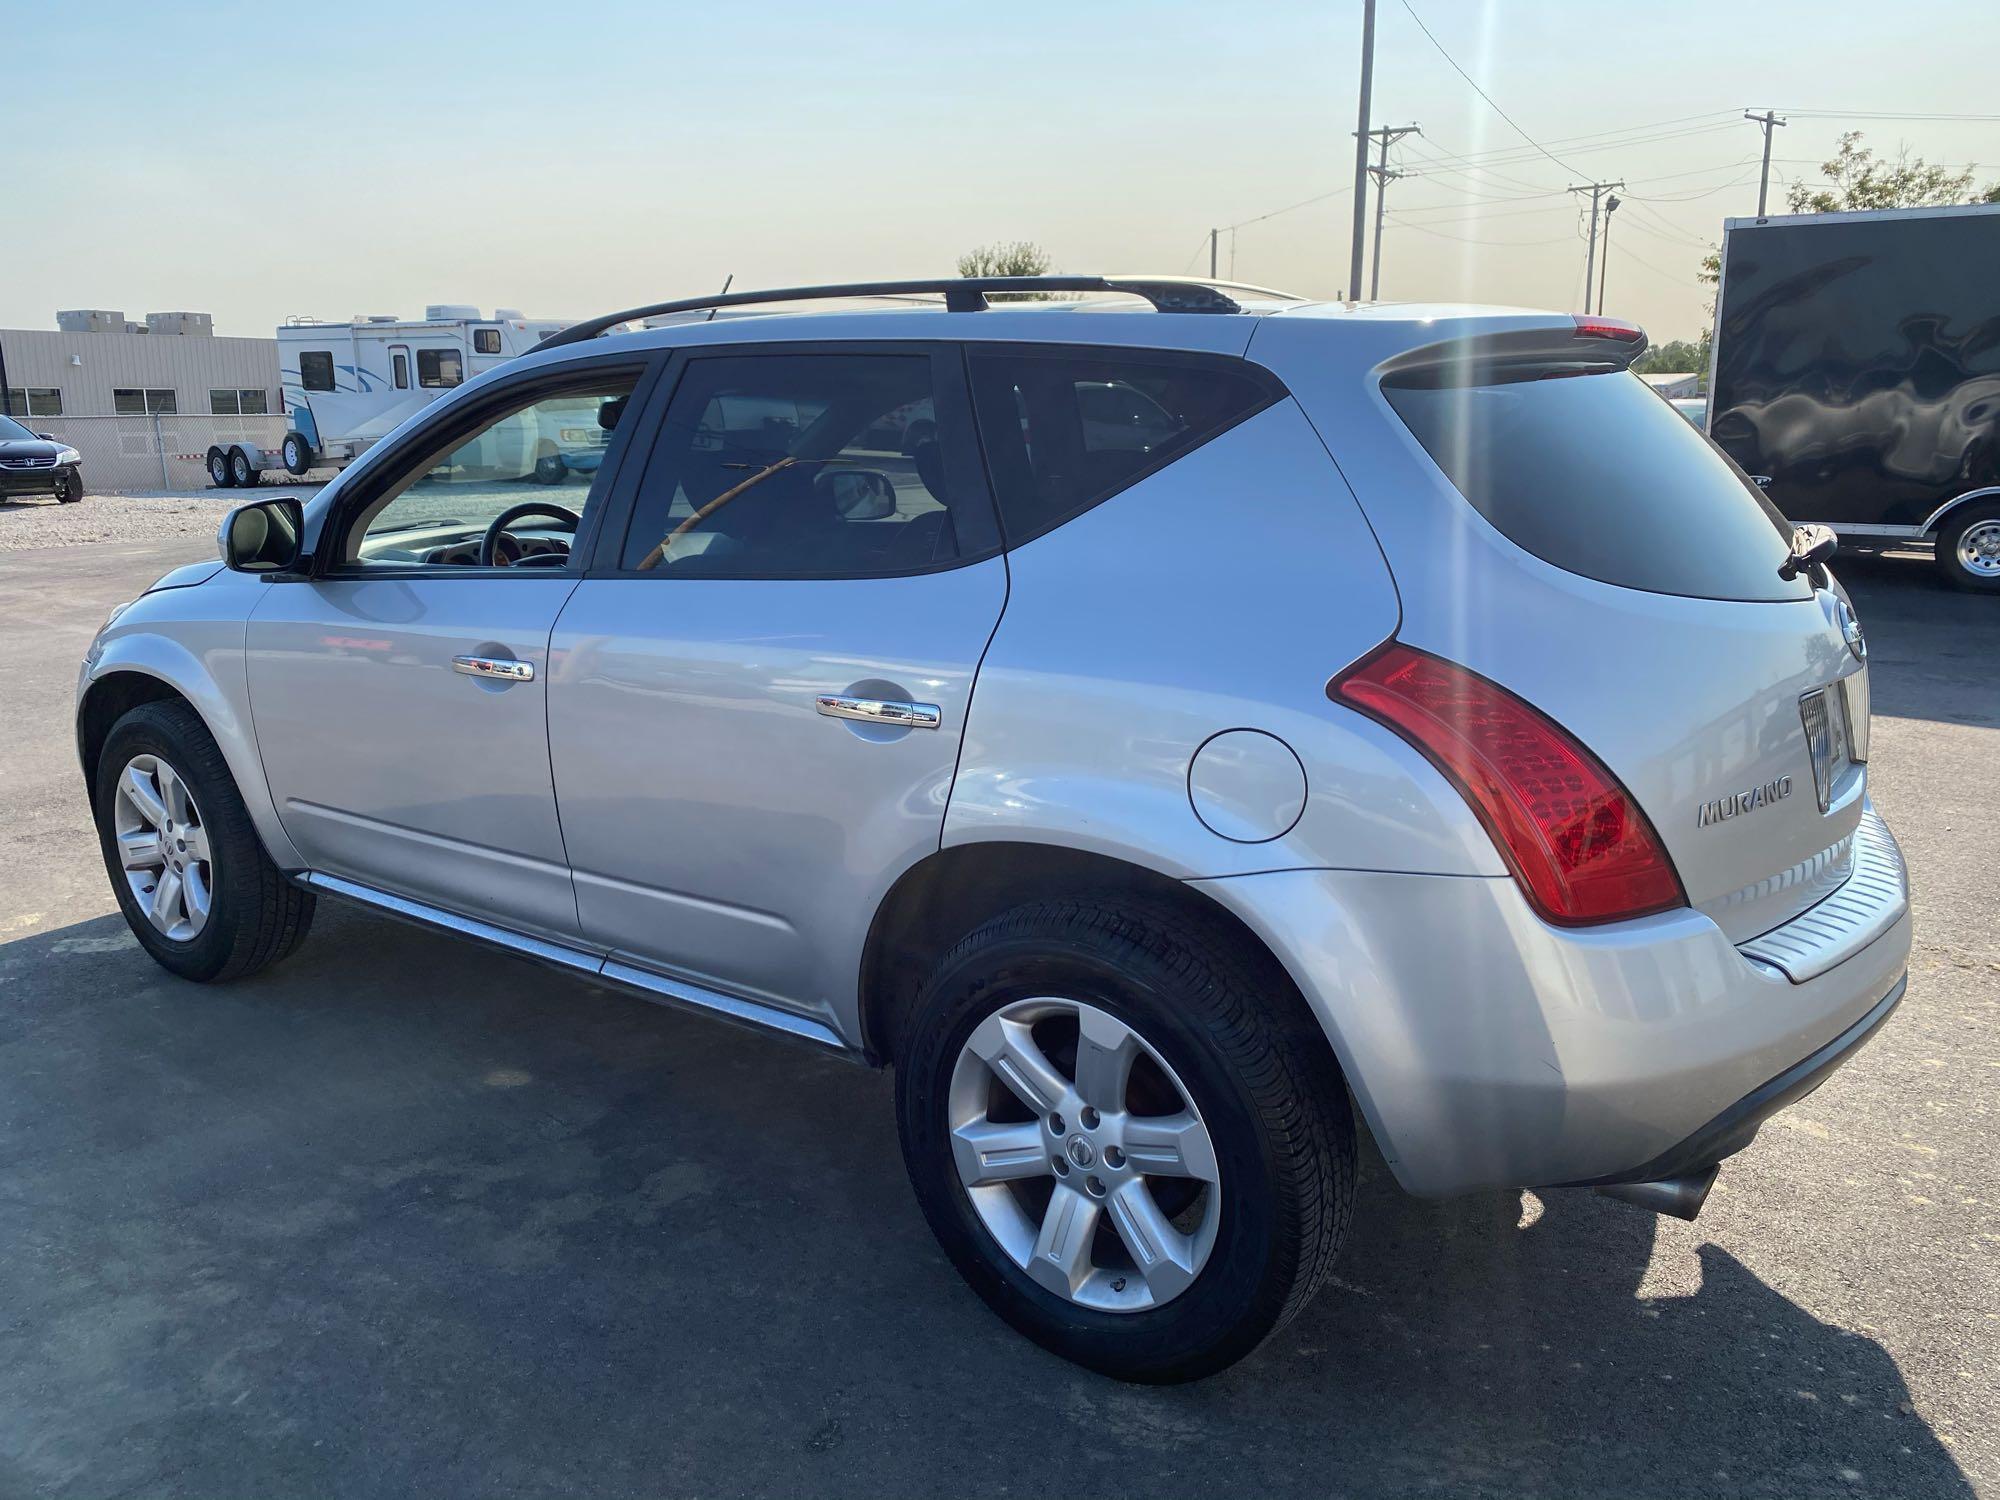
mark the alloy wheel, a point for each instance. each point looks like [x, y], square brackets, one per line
[1084, 1155]
[163, 847]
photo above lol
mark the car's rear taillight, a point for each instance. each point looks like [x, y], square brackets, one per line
[1588, 327]
[1578, 844]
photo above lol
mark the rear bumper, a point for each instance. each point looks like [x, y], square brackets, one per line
[1487, 1048]
[1737, 1126]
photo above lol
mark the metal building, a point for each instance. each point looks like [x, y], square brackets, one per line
[142, 402]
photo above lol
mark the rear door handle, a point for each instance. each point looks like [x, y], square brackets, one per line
[880, 711]
[494, 668]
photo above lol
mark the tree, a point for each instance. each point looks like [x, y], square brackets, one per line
[1675, 357]
[1857, 179]
[1018, 258]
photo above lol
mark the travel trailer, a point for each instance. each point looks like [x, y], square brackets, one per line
[348, 384]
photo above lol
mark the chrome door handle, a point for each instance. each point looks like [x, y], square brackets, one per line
[494, 668]
[880, 711]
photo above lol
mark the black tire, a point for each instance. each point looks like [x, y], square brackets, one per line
[69, 487]
[256, 917]
[240, 470]
[218, 470]
[1986, 518]
[550, 469]
[1251, 1058]
[298, 454]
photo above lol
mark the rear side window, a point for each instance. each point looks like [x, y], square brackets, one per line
[1599, 476]
[316, 370]
[1067, 429]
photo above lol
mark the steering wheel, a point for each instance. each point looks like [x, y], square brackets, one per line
[490, 544]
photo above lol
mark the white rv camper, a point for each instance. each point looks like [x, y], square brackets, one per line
[348, 384]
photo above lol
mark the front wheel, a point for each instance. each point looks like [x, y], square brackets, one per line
[218, 470]
[1968, 549]
[297, 454]
[190, 874]
[1130, 1138]
[69, 487]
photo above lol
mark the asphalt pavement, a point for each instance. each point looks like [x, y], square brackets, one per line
[406, 1217]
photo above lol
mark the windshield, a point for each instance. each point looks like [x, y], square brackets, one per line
[12, 431]
[1596, 474]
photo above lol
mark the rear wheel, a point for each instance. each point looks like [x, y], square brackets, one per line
[1139, 1154]
[218, 470]
[189, 871]
[240, 470]
[1968, 549]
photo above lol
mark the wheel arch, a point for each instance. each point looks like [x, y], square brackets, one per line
[150, 668]
[110, 697]
[1935, 525]
[948, 893]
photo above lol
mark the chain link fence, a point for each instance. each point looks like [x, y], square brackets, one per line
[160, 450]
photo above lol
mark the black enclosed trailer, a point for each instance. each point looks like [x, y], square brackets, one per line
[1856, 374]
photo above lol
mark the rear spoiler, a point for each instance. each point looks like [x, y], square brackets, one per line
[1583, 346]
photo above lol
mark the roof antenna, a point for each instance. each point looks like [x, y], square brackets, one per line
[727, 281]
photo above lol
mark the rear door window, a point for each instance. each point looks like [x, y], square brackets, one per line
[1599, 476]
[788, 465]
[1066, 429]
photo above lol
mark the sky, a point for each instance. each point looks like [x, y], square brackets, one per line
[262, 161]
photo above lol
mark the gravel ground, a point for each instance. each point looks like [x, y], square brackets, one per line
[147, 517]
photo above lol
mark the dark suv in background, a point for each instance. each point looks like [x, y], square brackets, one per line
[35, 464]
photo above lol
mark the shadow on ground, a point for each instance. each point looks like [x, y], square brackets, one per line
[407, 1217]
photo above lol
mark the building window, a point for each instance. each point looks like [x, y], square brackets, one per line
[316, 370]
[34, 401]
[238, 402]
[439, 369]
[128, 401]
[485, 341]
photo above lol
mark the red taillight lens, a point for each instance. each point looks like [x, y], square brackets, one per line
[1579, 845]
[1608, 328]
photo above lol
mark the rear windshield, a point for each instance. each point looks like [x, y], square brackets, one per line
[1598, 475]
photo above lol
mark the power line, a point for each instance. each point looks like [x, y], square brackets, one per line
[1882, 114]
[1484, 95]
[1466, 239]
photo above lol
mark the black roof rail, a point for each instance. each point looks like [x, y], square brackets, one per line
[961, 294]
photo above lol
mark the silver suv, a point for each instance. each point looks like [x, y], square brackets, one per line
[1378, 713]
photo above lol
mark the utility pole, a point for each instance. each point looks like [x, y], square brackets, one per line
[1211, 252]
[1596, 191]
[1361, 152]
[1768, 120]
[1383, 175]
[1604, 261]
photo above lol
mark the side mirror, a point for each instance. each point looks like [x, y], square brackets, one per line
[857, 494]
[48, 437]
[263, 536]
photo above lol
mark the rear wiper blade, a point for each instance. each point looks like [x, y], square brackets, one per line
[1813, 546]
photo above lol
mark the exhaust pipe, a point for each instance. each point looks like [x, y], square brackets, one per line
[1682, 1196]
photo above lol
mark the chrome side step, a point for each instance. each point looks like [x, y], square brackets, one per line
[662, 990]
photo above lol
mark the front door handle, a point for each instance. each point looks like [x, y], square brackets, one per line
[494, 668]
[889, 711]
